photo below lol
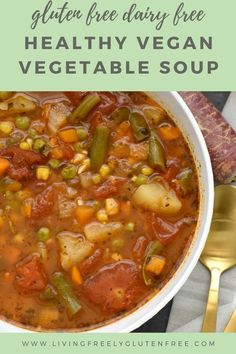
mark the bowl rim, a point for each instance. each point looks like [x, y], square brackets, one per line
[152, 306]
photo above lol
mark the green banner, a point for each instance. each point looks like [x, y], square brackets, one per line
[118, 343]
[117, 45]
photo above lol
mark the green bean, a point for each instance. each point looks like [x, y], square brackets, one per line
[39, 144]
[32, 133]
[66, 294]
[99, 146]
[48, 294]
[5, 95]
[184, 180]
[120, 115]
[83, 109]
[156, 153]
[154, 248]
[82, 133]
[139, 126]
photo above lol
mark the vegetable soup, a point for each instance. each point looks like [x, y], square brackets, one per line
[99, 202]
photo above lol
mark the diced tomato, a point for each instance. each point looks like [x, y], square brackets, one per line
[21, 162]
[67, 150]
[108, 188]
[90, 264]
[30, 275]
[20, 174]
[115, 287]
[108, 103]
[164, 231]
[172, 172]
[24, 157]
[95, 120]
[43, 204]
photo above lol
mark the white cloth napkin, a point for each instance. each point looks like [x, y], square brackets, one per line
[189, 304]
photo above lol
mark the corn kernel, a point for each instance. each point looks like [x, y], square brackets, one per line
[147, 171]
[84, 166]
[102, 215]
[78, 158]
[80, 202]
[134, 178]
[116, 256]
[30, 142]
[24, 145]
[6, 127]
[104, 170]
[43, 173]
[111, 206]
[96, 178]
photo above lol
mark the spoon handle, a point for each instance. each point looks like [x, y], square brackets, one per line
[209, 323]
[231, 326]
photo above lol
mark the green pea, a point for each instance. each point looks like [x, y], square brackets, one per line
[130, 226]
[39, 144]
[22, 123]
[54, 164]
[43, 234]
[82, 133]
[69, 172]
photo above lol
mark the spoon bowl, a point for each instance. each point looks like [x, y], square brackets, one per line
[219, 253]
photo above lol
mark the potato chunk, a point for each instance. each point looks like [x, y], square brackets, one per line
[157, 198]
[74, 249]
[96, 232]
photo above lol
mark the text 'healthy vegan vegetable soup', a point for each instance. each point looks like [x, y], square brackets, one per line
[98, 205]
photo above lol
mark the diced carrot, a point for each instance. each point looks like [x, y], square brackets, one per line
[84, 213]
[76, 276]
[27, 209]
[57, 153]
[68, 135]
[169, 132]
[124, 129]
[53, 142]
[4, 165]
[156, 265]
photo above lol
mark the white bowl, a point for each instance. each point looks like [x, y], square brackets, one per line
[181, 114]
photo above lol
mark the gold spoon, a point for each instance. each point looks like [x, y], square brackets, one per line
[231, 326]
[219, 253]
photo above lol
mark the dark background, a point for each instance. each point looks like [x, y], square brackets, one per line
[159, 322]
